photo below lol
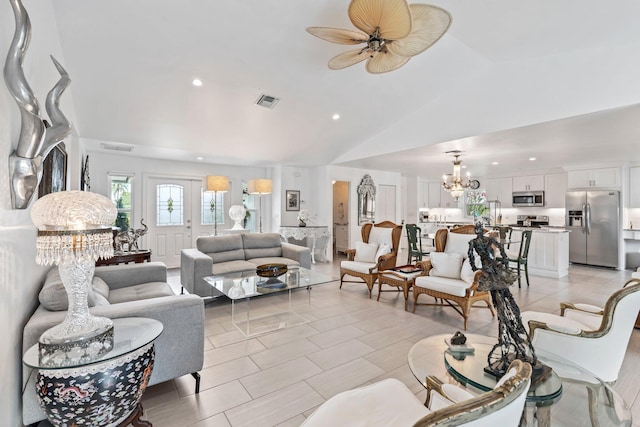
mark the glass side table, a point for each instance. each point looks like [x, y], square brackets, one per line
[106, 391]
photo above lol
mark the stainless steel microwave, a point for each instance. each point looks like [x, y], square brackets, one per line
[527, 198]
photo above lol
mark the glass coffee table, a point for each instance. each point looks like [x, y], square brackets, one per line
[570, 396]
[246, 285]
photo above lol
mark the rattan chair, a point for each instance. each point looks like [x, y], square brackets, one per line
[450, 291]
[367, 272]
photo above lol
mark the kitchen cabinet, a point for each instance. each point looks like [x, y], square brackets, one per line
[528, 183]
[434, 194]
[591, 178]
[499, 189]
[634, 187]
[548, 252]
[341, 233]
[423, 194]
[447, 200]
[555, 189]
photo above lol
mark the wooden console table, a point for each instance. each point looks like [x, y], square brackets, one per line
[126, 258]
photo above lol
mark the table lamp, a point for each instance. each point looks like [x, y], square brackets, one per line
[217, 184]
[74, 230]
[260, 186]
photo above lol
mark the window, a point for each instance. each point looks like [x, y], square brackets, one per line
[169, 205]
[209, 205]
[121, 195]
[476, 204]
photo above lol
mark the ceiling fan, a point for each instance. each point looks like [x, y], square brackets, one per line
[392, 30]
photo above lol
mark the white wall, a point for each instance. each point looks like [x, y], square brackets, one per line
[20, 277]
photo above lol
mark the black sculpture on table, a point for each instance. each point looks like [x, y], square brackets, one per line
[496, 277]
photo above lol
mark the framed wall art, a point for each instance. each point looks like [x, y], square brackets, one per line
[292, 200]
[54, 171]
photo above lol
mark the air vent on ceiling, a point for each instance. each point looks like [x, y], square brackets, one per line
[267, 101]
[116, 147]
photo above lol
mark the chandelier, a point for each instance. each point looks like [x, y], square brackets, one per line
[452, 182]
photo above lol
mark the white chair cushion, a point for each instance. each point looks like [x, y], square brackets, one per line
[458, 243]
[635, 275]
[366, 252]
[442, 284]
[382, 250]
[445, 265]
[381, 235]
[359, 267]
[466, 272]
[384, 403]
[554, 321]
[590, 320]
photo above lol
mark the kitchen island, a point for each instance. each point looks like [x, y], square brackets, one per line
[548, 252]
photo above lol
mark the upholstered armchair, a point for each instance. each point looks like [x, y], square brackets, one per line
[377, 251]
[448, 276]
[582, 332]
[390, 403]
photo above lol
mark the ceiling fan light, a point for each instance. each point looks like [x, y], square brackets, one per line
[392, 17]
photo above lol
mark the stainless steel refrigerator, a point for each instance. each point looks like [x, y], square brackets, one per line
[592, 219]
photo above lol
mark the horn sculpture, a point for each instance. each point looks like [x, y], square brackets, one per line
[36, 140]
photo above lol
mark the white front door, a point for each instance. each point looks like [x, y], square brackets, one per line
[172, 208]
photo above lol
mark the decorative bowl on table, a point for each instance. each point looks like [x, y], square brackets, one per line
[271, 270]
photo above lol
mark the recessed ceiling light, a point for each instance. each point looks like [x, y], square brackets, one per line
[197, 82]
[494, 163]
[532, 158]
[336, 116]
[464, 166]
[199, 158]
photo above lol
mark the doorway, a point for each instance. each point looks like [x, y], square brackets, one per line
[340, 216]
[386, 203]
[178, 212]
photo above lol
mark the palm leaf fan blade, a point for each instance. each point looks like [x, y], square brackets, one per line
[392, 17]
[351, 57]
[429, 25]
[385, 61]
[337, 35]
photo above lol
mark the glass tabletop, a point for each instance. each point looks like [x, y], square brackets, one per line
[129, 334]
[248, 284]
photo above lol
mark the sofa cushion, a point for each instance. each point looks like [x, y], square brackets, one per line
[360, 267]
[261, 245]
[140, 292]
[222, 248]
[381, 235]
[466, 272]
[222, 268]
[458, 243]
[53, 295]
[443, 284]
[383, 249]
[366, 252]
[445, 265]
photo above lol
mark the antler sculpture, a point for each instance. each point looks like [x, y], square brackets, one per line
[36, 139]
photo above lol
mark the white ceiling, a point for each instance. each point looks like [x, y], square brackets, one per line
[502, 68]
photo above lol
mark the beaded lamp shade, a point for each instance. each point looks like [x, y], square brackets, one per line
[74, 230]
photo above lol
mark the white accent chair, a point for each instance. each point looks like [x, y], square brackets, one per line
[390, 403]
[448, 275]
[378, 251]
[582, 332]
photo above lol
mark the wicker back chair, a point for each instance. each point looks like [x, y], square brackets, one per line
[368, 272]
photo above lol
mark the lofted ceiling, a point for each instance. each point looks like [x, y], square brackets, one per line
[554, 80]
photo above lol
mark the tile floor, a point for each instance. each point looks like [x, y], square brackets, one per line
[279, 378]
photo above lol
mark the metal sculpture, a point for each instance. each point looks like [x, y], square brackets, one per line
[496, 277]
[36, 138]
[127, 241]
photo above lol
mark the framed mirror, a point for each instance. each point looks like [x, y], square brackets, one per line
[366, 200]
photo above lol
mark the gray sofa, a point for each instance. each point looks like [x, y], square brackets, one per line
[236, 253]
[132, 290]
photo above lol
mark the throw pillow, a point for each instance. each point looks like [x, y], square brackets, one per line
[366, 252]
[445, 265]
[466, 272]
[458, 243]
[383, 249]
[53, 295]
[100, 287]
[380, 235]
